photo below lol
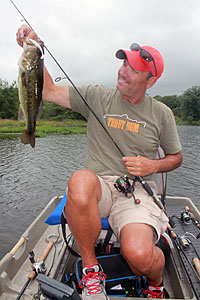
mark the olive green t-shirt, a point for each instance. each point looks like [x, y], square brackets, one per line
[137, 129]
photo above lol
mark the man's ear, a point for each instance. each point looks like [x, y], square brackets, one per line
[151, 81]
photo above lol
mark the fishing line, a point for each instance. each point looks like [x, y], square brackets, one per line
[68, 78]
[139, 178]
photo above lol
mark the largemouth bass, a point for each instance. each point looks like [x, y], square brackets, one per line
[30, 81]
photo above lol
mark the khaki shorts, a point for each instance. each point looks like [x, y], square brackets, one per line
[122, 210]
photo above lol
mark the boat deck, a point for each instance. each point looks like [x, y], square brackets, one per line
[14, 269]
[192, 249]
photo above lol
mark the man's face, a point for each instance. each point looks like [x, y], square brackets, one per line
[131, 82]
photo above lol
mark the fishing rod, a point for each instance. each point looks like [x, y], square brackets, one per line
[68, 78]
[144, 184]
[38, 266]
[196, 270]
[192, 217]
[180, 244]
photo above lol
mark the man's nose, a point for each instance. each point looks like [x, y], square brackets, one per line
[122, 70]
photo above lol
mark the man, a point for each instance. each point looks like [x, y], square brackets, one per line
[138, 124]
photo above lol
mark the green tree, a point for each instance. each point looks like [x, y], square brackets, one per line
[59, 113]
[190, 104]
[186, 106]
[9, 103]
[172, 101]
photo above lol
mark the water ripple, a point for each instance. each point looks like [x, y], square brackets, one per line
[29, 178]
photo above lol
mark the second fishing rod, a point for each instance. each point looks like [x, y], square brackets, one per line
[126, 183]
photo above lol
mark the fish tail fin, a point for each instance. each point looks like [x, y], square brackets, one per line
[28, 138]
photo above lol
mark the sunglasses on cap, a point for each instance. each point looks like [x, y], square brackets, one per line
[144, 54]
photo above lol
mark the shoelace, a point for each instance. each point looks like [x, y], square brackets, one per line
[94, 287]
[154, 294]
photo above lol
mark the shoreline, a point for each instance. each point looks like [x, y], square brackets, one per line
[14, 128]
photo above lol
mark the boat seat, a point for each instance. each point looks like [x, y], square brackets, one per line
[55, 216]
[55, 219]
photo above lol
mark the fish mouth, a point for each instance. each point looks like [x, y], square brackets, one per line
[36, 44]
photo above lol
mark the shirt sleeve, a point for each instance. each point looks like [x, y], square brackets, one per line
[86, 96]
[169, 138]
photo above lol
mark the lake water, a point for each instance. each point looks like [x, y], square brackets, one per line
[30, 178]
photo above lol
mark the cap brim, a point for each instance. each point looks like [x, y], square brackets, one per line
[121, 54]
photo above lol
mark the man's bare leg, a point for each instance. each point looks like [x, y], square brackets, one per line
[81, 210]
[143, 257]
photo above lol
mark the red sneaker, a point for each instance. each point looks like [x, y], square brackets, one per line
[93, 283]
[155, 292]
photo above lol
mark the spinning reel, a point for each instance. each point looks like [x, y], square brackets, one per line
[124, 186]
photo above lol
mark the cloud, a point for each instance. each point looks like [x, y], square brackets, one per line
[84, 36]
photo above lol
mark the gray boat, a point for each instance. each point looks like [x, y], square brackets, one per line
[58, 269]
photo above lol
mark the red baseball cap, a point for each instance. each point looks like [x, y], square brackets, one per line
[138, 63]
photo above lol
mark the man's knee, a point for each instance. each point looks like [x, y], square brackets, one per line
[83, 186]
[140, 258]
[137, 246]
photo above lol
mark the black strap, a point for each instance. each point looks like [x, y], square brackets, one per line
[63, 225]
[102, 249]
[107, 238]
[73, 252]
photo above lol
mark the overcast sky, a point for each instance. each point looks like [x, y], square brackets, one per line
[84, 35]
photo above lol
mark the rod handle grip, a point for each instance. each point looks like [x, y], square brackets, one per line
[187, 208]
[197, 264]
[173, 235]
[46, 251]
[145, 185]
[147, 189]
[32, 275]
[18, 245]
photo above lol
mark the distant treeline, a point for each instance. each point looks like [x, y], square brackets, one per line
[186, 107]
[9, 105]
